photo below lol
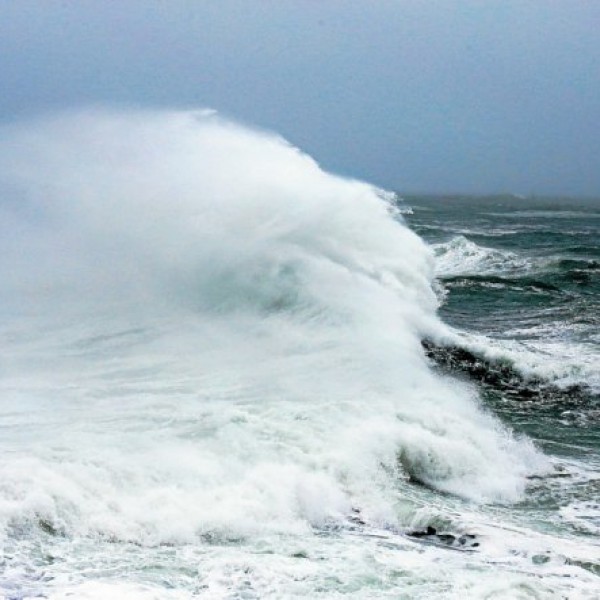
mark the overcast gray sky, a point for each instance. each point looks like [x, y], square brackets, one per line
[441, 96]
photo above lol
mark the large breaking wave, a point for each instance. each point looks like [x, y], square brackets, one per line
[207, 334]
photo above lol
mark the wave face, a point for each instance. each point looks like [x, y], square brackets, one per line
[207, 339]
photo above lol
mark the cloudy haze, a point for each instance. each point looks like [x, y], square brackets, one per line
[417, 96]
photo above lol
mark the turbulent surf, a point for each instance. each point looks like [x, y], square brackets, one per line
[223, 376]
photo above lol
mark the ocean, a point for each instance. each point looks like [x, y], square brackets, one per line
[226, 373]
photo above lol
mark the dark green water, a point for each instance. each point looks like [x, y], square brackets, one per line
[524, 268]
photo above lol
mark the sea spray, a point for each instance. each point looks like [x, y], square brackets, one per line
[218, 340]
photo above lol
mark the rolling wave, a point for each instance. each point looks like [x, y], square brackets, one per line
[213, 377]
[216, 337]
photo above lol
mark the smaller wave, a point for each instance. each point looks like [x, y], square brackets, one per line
[496, 232]
[405, 210]
[520, 283]
[570, 263]
[541, 367]
[461, 256]
[548, 214]
[502, 375]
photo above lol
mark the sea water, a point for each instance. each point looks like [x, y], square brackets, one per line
[213, 381]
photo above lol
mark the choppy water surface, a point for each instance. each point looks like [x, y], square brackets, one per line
[213, 382]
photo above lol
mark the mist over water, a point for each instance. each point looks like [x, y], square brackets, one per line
[209, 342]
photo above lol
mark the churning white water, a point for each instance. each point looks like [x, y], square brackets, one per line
[211, 364]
